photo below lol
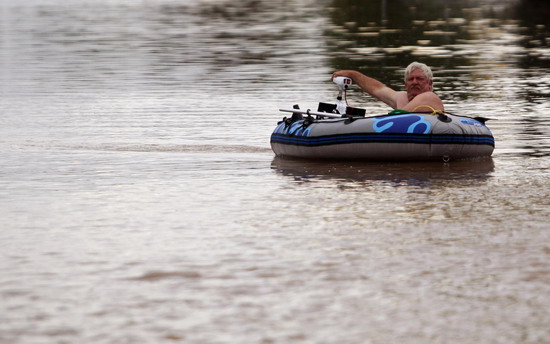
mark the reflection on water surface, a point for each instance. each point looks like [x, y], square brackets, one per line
[424, 174]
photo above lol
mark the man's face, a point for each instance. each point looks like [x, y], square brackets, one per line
[417, 83]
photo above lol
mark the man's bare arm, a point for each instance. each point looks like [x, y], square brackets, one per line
[372, 86]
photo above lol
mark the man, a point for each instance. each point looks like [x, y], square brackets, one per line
[418, 85]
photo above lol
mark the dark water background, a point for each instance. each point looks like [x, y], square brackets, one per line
[140, 201]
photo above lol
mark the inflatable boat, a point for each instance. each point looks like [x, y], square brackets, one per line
[337, 131]
[394, 136]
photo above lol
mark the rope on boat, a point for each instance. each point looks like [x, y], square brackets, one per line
[434, 111]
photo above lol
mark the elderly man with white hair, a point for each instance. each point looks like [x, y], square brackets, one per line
[418, 94]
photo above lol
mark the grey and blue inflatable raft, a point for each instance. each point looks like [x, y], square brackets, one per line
[398, 135]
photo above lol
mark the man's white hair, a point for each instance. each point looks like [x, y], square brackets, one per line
[417, 65]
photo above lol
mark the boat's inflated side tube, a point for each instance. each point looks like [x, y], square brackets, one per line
[404, 136]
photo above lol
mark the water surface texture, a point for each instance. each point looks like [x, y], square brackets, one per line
[140, 201]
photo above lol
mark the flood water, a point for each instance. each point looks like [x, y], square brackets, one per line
[141, 202]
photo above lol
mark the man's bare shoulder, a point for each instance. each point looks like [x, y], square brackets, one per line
[430, 96]
[427, 99]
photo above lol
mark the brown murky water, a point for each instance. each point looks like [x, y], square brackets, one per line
[141, 203]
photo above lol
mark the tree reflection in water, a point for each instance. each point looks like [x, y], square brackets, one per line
[381, 37]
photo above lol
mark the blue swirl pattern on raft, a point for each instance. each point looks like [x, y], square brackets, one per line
[410, 124]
